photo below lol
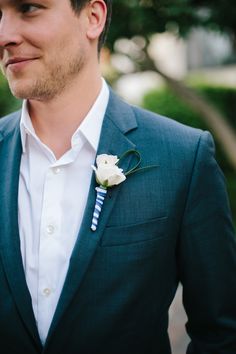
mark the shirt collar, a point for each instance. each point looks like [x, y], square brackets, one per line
[90, 128]
[26, 126]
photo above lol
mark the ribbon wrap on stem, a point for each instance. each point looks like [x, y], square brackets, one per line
[101, 194]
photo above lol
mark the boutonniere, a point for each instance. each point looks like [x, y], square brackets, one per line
[108, 174]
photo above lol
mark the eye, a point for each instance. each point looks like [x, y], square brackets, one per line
[29, 8]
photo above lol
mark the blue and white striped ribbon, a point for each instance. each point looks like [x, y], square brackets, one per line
[101, 194]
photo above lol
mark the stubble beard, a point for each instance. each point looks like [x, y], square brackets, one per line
[55, 79]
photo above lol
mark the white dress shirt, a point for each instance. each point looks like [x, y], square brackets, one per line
[52, 199]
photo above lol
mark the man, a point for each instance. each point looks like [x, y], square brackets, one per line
[66, 289]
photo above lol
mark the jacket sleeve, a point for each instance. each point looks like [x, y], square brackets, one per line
[207, 258]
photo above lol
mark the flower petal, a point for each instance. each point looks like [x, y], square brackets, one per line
[107, 159]
[108, 175]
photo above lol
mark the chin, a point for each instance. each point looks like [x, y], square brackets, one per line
[21, 94]
[19, 90]
[23, 91]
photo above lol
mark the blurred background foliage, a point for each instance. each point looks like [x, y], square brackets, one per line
[141, 19]
[150, 16]
[7, 102]
[164, 102]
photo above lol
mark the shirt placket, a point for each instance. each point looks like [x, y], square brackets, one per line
[50, 248]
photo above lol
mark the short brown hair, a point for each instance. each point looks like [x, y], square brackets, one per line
[78, 5]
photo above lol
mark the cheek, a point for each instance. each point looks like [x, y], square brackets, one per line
[39, 37]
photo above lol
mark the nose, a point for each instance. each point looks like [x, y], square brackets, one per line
[9, 31]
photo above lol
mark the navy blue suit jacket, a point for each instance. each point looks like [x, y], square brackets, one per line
[163, 225]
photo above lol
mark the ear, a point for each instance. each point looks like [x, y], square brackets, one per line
[97, 13]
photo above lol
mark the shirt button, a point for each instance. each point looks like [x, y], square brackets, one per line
[47, 291]
[56, 170]
[50, 229]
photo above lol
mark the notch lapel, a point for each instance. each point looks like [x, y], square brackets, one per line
[118, 121]
[10, 157]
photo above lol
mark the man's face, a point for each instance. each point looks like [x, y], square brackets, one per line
[43, 46]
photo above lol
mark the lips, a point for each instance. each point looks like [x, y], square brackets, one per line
[17, 65]
[17, 60]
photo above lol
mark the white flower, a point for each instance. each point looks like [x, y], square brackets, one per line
[107, 173]
[106, 159]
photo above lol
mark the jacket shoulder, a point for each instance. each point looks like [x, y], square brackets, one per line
[166, 127]
[9, 123]
[173, 143]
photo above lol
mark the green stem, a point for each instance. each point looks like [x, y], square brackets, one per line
[140, 169]
[135, 152]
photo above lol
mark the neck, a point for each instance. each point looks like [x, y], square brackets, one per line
[56, 120]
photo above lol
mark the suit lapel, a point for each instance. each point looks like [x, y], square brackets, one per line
[118, 121]
[10, 156]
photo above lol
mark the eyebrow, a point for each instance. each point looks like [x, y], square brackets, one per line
[11, 2]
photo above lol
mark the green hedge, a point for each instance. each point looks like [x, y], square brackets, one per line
[7, 102]
[164, 102]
